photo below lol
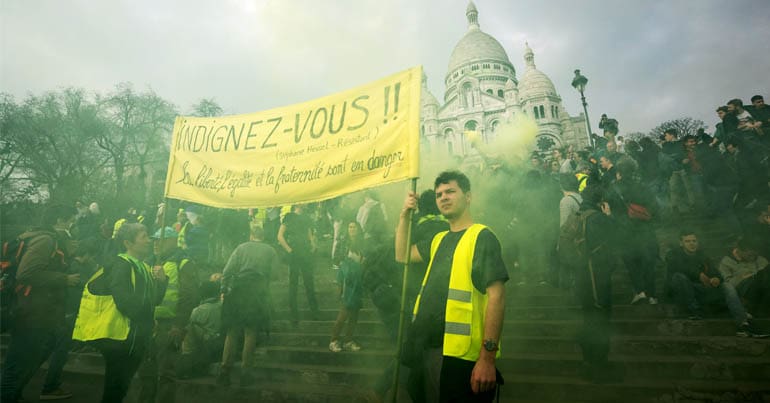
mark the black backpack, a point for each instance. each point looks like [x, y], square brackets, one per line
[573, 251]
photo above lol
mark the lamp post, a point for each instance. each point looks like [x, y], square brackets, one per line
[579, 83]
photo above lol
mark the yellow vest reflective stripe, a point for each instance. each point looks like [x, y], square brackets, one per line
[99, 317]
[466, 307]
[581, 181]
[117, 226]
[167, 308]
[180, 238]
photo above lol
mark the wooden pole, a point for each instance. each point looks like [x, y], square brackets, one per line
[402, 314]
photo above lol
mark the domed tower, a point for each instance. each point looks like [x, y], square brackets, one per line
[539, 99]
[478, 64]
[429, 116]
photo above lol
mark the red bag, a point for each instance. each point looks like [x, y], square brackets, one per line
[638, 212]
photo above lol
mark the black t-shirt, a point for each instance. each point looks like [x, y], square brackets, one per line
[488, 267]
[297, 230]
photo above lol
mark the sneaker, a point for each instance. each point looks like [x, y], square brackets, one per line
[56, 394]
[639, 298]
[352, 346]
[335, 346]
[748, 329]
[652, 301]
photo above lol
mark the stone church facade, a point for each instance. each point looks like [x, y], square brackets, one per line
[482, 91]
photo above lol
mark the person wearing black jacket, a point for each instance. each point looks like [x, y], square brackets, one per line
[692, 278]
[640, 248]
[593, 286]
[136, 291]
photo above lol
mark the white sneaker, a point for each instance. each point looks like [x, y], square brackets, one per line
[335, 346]
[652, 301]
[352, 346]
[638, 298]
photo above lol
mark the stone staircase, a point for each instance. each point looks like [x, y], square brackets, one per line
[666, 358]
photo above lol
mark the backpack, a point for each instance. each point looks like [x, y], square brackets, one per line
[9, 265]
[573, 251]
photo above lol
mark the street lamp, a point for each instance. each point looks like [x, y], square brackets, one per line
[579, 83]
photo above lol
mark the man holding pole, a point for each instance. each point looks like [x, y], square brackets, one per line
[454, 339]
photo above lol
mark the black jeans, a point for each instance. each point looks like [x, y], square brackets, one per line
[301, 263]
[28, 349]
[594, 336]
[120, 364]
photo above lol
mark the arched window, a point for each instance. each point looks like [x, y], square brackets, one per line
[471, 125]
[537, 113]
[500, 93]
[555, 111]
[490, 92]
[467, 95]
[542, 111]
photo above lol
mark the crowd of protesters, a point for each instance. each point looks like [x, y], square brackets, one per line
[167, 312]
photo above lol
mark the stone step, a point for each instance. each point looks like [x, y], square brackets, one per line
[725, 346]
[570, 389]
[514, 327]
[360, 363]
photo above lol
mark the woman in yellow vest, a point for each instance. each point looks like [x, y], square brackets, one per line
[116, 310]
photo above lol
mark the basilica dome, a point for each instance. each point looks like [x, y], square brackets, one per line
[476, 45]
[534, 82]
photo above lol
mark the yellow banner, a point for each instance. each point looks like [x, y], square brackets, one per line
[353, 140]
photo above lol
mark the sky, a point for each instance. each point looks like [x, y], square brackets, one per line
[646, 61]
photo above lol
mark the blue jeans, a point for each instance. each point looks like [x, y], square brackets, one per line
[28, 349]
[734, 304]
[692, 295]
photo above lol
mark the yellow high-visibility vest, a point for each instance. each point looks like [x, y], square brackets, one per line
[466, 307]
[167, 308]
[99, 317]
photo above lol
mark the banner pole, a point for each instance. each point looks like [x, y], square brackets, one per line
[402, 314]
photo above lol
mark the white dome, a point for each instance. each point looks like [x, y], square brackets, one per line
[476, 45]
[534, 82]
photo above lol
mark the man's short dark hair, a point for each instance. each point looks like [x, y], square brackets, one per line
[722, 108]
[733, 141]
[756, 98]
[55, 212]
[209, 289]
[427, 202]
[686, 231]
[447, 176]
[735, 102]
[671, 131]
[688, 137]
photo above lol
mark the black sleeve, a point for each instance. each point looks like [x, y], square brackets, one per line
[119, 285]
[424, 248]
[488, 265]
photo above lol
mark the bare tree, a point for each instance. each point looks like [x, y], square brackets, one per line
[684, 126]
[48, 141]
[137, 125]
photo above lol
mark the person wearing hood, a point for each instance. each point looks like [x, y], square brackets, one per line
[42, 283]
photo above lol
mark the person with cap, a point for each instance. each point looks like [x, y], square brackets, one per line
[171, 316]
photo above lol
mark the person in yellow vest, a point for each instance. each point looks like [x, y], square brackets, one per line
[458, 315]
[158, 374]
[117, 308]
